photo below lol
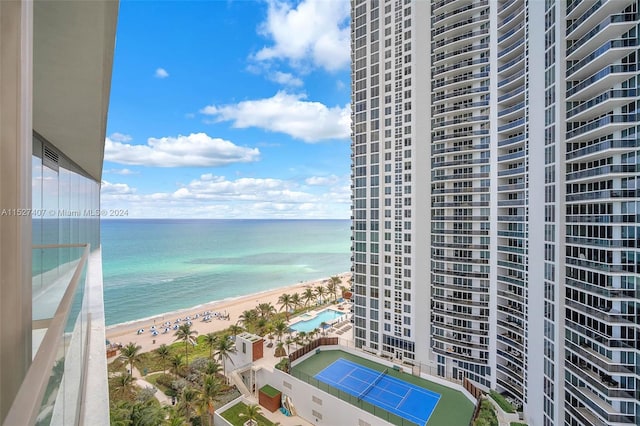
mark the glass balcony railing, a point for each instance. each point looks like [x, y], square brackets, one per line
[612, 19]
[608, 70]
[609, 45]
[611, 94]
[54, 388]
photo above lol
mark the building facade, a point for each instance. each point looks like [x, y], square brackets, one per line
[55, 76]
[514, 240]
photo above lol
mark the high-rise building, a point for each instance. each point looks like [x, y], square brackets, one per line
[55, 76]
[494, 173]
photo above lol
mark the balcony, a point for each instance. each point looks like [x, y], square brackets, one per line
[463, 53]
[460, 13]
[602, 149]
[599, 82]
[602, 103]
[459, 27]
[67, 380]
[614, 24]
[460, 40]
[603, 126]
[591, 16]
[610, 52]
[615, 170]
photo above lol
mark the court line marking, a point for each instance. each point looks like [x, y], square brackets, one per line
[430, 396]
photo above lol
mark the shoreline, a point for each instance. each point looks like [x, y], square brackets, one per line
[126, 332]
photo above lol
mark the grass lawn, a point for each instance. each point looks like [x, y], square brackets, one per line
[269, 391]
[453, 409]
[232, 415]
[503, 403]
[152, 378]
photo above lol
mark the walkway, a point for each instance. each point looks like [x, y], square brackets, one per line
[140, 382]
[504, 418]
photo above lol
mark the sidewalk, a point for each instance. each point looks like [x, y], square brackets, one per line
[140, 382]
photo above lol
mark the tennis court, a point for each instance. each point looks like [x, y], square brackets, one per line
[396, 396]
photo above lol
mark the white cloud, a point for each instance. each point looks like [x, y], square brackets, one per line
[285, 79]
[289, 114]
[211, 196]
[195, 150]
[120, 137]
[123, 172]
[315, 32]
[109, 188]
[322, 180]
[161, 73]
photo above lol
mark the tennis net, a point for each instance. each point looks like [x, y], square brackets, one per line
[372, 385]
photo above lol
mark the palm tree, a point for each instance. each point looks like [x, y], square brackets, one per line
[235, 329]
[266, 310]
[279, 352]
[212, 367]
[173, 417]
[288, 341]
[308, 295]
[333, 285]
[224, 348]
[279, 328]
[295, 299]
[313, 333]
[163, 353]
[261, 324]
[120, 413]
[130, 353]
[147, 413]
[188, 401]
[251, 412]
[323, 327]
[210, 339]
[186, 334]
[285, 303]
[124, 383]
[248, 317]
[177, 362]
[301, 338]
[211, 388]
[320, 292]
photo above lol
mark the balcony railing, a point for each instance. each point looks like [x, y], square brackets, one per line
[55, 387]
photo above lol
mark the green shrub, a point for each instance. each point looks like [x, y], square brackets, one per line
[486, 415]
[503, 403]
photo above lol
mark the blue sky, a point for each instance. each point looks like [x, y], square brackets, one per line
[230, 109]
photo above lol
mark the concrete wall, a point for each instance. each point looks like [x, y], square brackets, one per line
[16, 43]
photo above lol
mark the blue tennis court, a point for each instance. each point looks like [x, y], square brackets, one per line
[394, 395]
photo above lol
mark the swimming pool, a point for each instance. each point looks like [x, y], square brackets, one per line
[325, 316]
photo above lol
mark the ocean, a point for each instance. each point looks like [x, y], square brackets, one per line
[152, 266]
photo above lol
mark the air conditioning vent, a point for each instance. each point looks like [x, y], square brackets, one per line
[50, 158]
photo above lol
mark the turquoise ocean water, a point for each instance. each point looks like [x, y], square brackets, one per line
[156, 266]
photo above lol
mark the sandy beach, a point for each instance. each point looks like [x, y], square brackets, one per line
[128, 332]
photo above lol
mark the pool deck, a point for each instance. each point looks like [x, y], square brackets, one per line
[344, 308]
